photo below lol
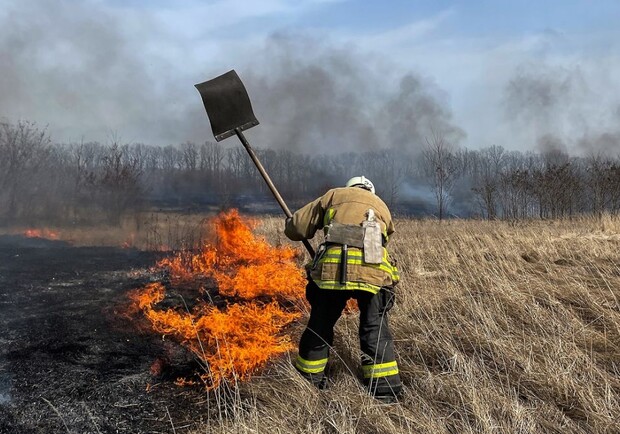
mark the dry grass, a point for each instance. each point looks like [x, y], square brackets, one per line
[499, 328]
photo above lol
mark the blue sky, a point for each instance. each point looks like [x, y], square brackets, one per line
[86, 68]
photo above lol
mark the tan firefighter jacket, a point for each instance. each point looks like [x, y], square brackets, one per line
[346, 205]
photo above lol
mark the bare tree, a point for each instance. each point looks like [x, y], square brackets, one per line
[440, 167]
[82, 163]
[487, 179]
[24, 148]
[190, 154]
[119, 182]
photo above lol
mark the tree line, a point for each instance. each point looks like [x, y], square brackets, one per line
[91, 182]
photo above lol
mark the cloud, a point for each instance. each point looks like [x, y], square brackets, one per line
[406, 36]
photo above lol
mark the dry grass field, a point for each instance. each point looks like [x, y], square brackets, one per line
[499, 327]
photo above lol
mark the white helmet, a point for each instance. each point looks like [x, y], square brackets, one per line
[361, 181]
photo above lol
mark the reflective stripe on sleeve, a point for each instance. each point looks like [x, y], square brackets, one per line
[380, 370]
[329, 215]
[395, 274]
[310, 366]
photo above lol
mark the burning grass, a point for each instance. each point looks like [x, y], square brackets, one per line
[42, 233]
[261, 286]
[242, 264]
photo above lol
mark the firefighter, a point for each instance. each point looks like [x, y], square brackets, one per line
[352, 263]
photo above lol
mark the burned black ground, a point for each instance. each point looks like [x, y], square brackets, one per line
[69, 362]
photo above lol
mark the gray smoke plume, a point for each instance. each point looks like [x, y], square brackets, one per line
[563, 109]
[540, 99]
[88, 71]
[606, 143]
[315, 97]
[311, 98]
[416, 112]
[81, 68]
[533, 95]
[553, 149]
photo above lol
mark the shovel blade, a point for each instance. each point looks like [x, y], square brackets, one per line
[228, 105]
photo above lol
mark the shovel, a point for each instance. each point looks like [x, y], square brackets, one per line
[230, 112]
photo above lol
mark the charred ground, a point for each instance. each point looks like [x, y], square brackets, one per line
[68, 362]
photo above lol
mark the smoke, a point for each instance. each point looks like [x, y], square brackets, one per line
[98, 69]
[318, 97]
[416, 198]
[563, 109]
[81, 68]
[534, 95]
[606, 143]
[95, 72]
[417, 112]
[553, 149]
[539, 99]
[311, 97]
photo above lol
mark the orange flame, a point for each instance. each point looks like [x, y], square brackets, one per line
[241, 264]
[41, 233]
[235, 341]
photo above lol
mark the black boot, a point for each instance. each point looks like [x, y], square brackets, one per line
[318, 380]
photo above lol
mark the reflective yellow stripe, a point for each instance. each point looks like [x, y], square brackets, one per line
[335, 252]
[327, 218]
[380, 370]
[310, 366]
[395, 274]
[329, 259]
[349, 286]
[385, 268]
[333, 255]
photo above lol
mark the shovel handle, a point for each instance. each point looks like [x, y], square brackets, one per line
[270, 184]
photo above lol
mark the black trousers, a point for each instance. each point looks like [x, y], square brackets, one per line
[379, 367]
